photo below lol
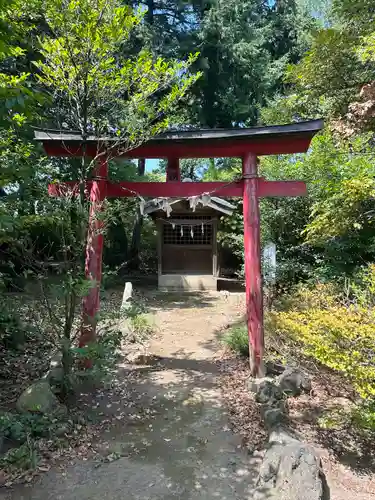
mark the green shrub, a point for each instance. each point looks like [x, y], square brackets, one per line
[12, 333]
[18, 427]
[363, 416]
[361, 288]
[339, 337]
[324, 324]
[319, 323]
[98, 360]
[237, 339]
[23, 457]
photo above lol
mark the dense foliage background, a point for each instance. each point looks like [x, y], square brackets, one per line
[261, 63]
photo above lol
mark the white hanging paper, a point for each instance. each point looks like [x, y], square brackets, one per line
[182, 232]
[193, 200]
[191, 231]
[166, 207]
[142, 204]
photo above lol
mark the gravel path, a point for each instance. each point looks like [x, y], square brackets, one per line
[183, 447]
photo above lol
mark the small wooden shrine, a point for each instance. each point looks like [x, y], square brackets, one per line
[187, 241]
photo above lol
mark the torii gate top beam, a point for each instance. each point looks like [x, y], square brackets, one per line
[206, 143]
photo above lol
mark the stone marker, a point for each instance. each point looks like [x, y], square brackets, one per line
[127, 296]
[55, 375]
[269, 263]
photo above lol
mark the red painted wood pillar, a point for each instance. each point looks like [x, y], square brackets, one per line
[253, 277]
[173, 170]
[94, 252]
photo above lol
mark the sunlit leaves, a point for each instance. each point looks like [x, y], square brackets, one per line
[366, 50]
[333, 77]
[340, 337]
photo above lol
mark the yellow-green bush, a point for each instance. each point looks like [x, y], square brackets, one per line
[340, 337]
[336, 329]
[321, 296]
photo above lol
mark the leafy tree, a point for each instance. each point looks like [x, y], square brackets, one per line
[95, 81]
[336, 77]
[319, 9]
[94, 89]
[100, 87]
[329, 233]
[245, 47]
[19, 99]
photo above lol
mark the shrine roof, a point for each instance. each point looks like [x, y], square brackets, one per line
[275, 139]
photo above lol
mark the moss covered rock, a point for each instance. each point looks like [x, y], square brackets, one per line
[39, 398]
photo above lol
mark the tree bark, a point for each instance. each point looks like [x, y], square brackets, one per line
[137, 229]
[150, 12]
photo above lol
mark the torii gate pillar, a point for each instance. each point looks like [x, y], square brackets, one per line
[253, 276]
[94, 253]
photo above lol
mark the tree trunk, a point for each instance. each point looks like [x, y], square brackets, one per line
[137, 229]
[150, 12]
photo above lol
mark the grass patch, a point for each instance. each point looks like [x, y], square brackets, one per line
[141, 326]
[236, 338]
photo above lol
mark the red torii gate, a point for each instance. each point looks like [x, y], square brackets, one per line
[246, 143]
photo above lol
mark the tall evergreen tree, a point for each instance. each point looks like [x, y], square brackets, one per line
[244, 49]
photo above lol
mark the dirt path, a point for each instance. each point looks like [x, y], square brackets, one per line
[175, 442]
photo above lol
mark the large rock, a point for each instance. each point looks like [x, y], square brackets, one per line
[268, 392]
[293, 382]
[39, 398]
[253, 384]
[283, 435]
[290, 471]
[274, 416]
